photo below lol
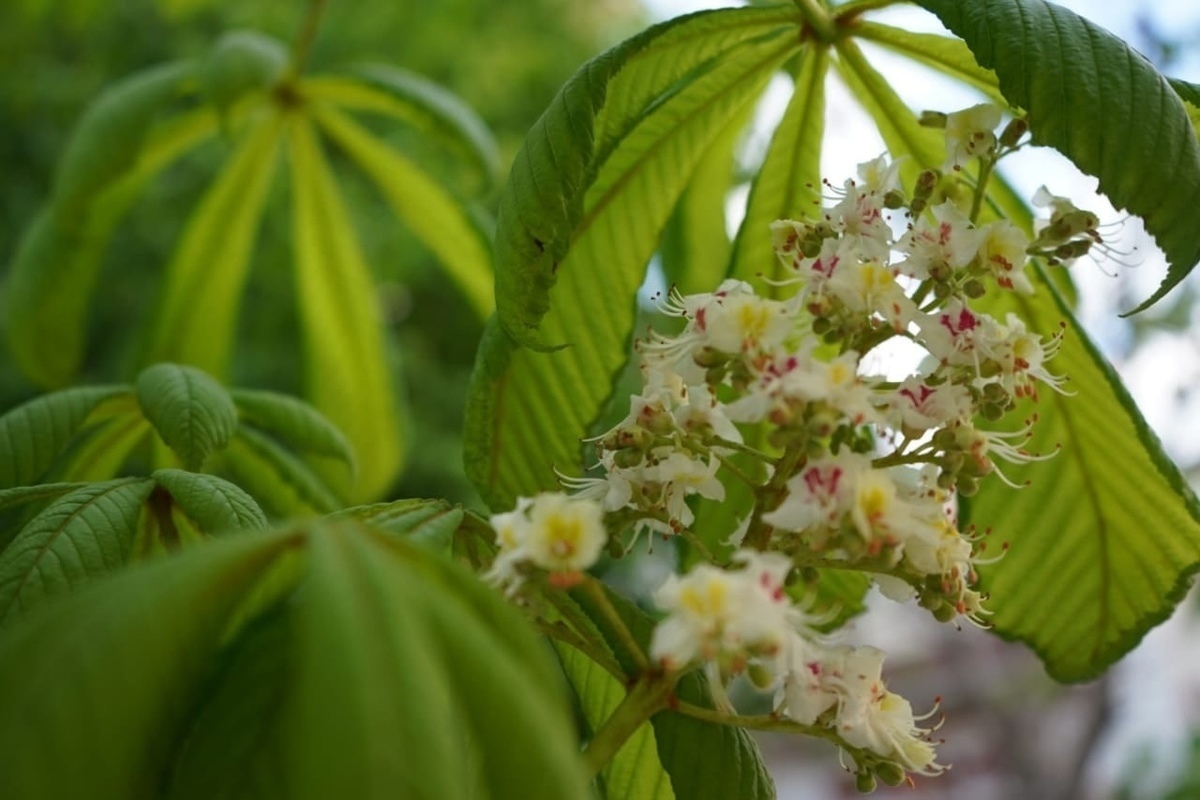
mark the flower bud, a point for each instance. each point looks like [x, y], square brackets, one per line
[974, 288]
[1013, 132]
[864, 781]
[932, 119]
[890, 773]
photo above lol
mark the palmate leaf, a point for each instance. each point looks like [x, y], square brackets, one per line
[282, 482]
[293, 422]
[114, 152]
[213, 504]
[345, 354]
[1100, 103]
[334, 660]
[529, 408]
[435, 217]
[428, 522]
[197, 318]
[1083, 581]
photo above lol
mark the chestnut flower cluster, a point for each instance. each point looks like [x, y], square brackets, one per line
[856, 471]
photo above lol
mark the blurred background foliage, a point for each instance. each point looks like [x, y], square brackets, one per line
[505, 59]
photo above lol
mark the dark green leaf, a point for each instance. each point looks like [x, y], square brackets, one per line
[192, 413]
[20, 495]
[33, 435]
[1099, 102]
[80, 536]
[214, 504]
[293, 422]
[106, 681]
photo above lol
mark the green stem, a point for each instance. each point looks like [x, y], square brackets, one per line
[695, 542]
[617, 627]
[302, 47]
[758, 534]
[728, 444]
[817, 17]
[771, 722]
[737, 471]
[644, 700]
[985, 172]
[898, 458]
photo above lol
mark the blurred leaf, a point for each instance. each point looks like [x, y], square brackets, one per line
[192, 413]
[35, 433]
[949, 56]
[836, 595]
[283, 483]
[428, 522]
[114, 150]
[215, 505]
[417, 101]
[103, 448]
[84, 534]
[20, 495]
[197, 316]
[436, 218]
[107, 681]
[346, 364]
[1149, 164]
[788, 184]
[530, 408]
[293, 422]
[241, 63]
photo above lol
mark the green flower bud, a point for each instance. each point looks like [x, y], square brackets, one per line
[864, 781]
[890, 773]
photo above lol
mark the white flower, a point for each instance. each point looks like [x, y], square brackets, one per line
[917, 406]
[858, 216]
[552, 531]
[820, 493]
[1003, 254]
[681, 476]
[807, 691]
[970, 133]
[724, 615]
[937, 248]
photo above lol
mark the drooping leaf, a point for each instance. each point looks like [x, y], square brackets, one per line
[214, 504]
[1100, 103]
[84, 534]
[106, 681]
[789, 182]
[434, 216]
[417, 101]
[346, 367]
[528, 408]
[197, 317]
[35, 433]
[945, 54]
[240, 63]
[293, 422]
[191, 412]
[429, 522]
[114, 151]
[282, 483]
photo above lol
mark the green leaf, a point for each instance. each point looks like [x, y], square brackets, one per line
[703, 759]
[116, 148]
[280, 481]
[215, 505]
[197, 317]
[439, 114]
[36, 433]
[346, 362]
[435, 217]
[293, 422]
[392, 648]
[428, 522]
[241, 63]
[107, 680]
[1100, 103]
[528, 409]
[837, 595]
[635, 770]
[21, 495]
[949, 56]
[789, 182]
[192, 413]
[1105, 538]
[84, 534]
